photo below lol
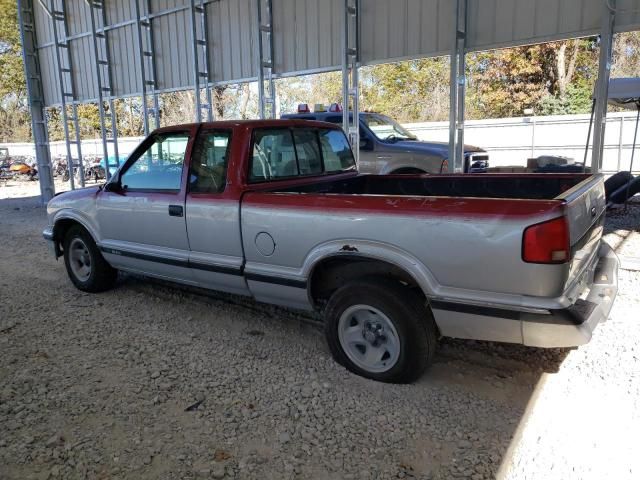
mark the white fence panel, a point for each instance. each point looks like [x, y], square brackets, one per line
[509, 141]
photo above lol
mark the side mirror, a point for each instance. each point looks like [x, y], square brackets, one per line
[366, 143]
[113, 186]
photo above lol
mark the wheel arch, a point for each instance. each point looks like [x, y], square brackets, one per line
[408, 171]
[428, 163]
[332, 272]
[61, 226]
[337, 262]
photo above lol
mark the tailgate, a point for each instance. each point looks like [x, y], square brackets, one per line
[585, 209]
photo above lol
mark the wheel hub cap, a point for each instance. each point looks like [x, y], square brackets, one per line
[80, 259]
[369, 338]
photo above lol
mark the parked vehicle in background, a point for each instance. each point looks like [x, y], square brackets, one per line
[386, 147]
[276, 210]
[4, 155]
[96, 170]
[114, 164]
[5, 164]
[22, 169]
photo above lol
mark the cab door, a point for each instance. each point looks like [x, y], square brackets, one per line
[141, 213]
[213, 216]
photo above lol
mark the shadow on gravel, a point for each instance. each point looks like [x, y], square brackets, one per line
[20, 202]
[486, 376]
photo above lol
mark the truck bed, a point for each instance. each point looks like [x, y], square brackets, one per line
[464, 231]
[529, 187]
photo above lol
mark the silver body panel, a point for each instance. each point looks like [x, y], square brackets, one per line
[386, 159]
[140, 224]
[403, 241]
[485, 291]
[214, 240]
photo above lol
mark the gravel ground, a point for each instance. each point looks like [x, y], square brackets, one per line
[154, 381]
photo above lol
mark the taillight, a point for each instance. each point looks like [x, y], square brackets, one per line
[546, 242]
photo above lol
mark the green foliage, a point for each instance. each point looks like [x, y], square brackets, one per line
[12, 80]
[503, 83]
[576, 100]
[14, 110]
[408, 91]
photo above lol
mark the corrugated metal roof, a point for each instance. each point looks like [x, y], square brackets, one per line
[405, 29]
[233, 40]
[307, 35]
[125, 60]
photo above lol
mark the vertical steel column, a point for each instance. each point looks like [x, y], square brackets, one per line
[103, 79]
[150, 104]
[620, 143]
[350, 58]
[36, 98]
[266, 86]
[112, 106]
[602, 85]
[457, 89]
[67, 89]
[200, 40]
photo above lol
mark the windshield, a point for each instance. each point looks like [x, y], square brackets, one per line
[386, 129]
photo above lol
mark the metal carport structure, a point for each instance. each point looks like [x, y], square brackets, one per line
[96, 51]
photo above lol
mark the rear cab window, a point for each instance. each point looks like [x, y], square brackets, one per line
[284, 152]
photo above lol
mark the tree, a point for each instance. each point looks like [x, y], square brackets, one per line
[502, 83]
[14, 109]
[408, 91]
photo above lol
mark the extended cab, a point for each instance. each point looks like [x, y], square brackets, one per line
[275, 209]
[386, 147]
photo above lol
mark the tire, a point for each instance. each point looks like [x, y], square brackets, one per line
[408, 335]
[86, 267]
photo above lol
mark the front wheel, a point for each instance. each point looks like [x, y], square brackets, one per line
[86, 267]
[380, 331]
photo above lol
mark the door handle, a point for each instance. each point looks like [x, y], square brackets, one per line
[176, 211]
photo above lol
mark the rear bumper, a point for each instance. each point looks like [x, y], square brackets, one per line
[567, 327]
[574, 326]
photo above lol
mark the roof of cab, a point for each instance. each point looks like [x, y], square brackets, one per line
[271, 123]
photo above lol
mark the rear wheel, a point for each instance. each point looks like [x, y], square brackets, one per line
[380, 331]
[86, 267]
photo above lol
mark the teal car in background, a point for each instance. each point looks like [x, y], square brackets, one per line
[96, 170]
[114, 163]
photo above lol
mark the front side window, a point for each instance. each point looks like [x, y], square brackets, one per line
[159, 167]
[385, 128]
[281, 153]
[209, 162]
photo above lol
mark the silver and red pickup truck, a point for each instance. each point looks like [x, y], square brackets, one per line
[277, 210]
